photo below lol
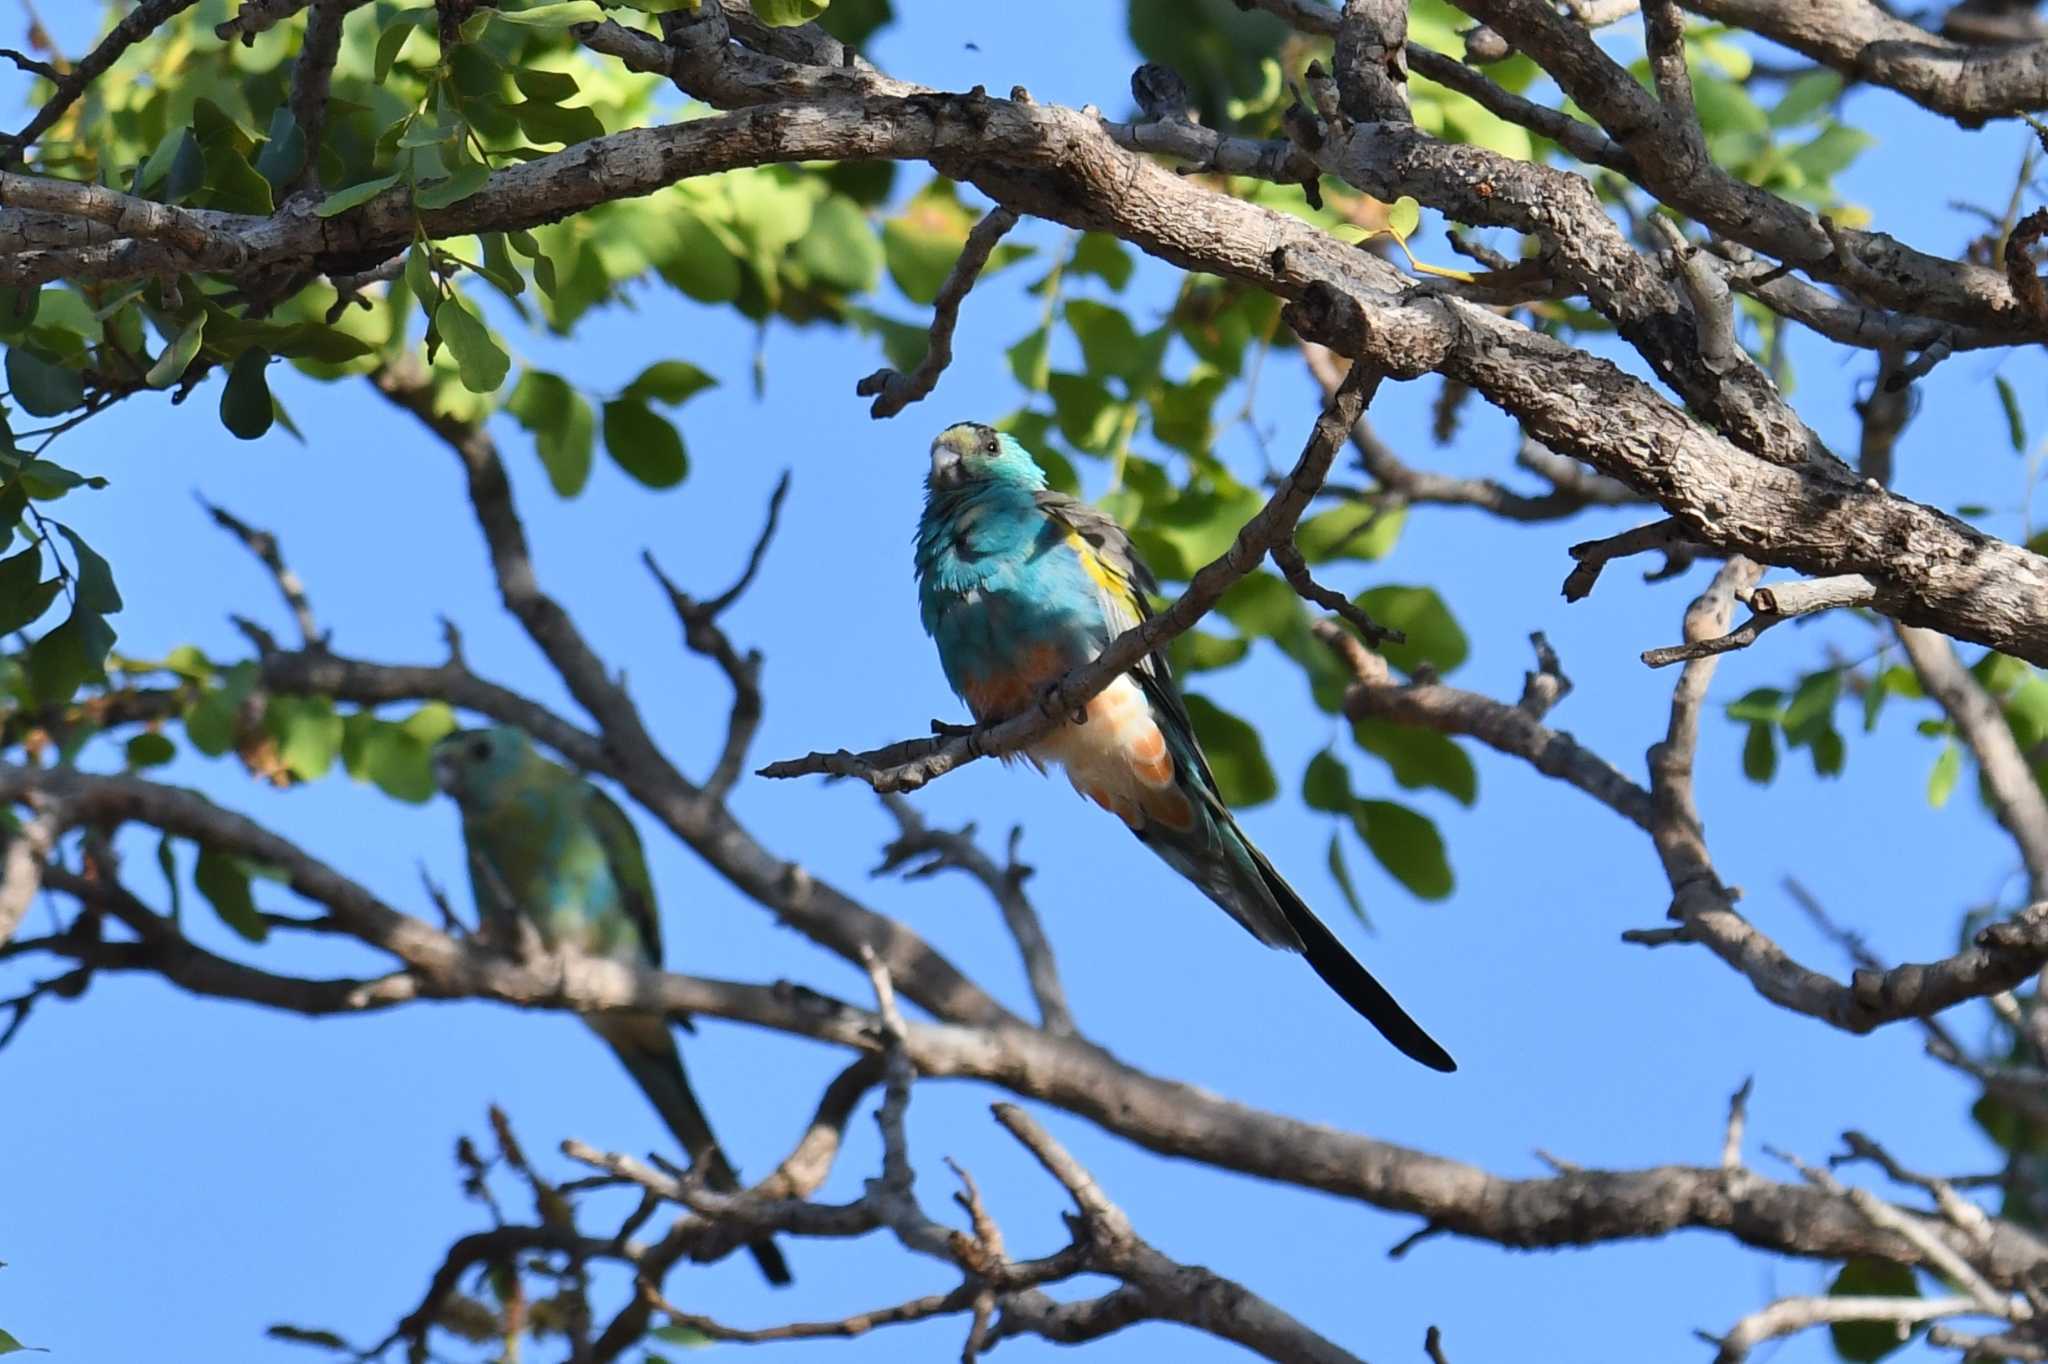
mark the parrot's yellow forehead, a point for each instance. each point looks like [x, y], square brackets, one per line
[960, 438]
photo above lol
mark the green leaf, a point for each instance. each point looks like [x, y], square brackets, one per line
[18, 307]
[478, 359]
[342, 200]
[308, 734]
[225, 885]
[1109, 343]
[563, 427]
[1419, 613]
[701, 267]
[1941, 782]
[1830, 152]
[1352, 530]
[94, 589]
[1806, 96]
[552, 86]
[1260, 604]
[1760, 753]
[419, 276]
[1103, 256]
[545, 122]
[400, 765]
[1811, 709]
[922, 243]
[670, 382]
[188, 170]
[150, 750]
[1326, 785]
[785, 13]
[1407, 845]
[1404, 215]
[179, 355]
[465, 181]
[841, 249]
[40, 388]
[23, 596]
[246, 407]
[1340, 872]
[1243, 776]
[1765, 705]
[9, 1345]
[1198, 651]
[1829, 753]
[557, 15]
[1028, 359]
[210, 720]
[233, 184]
[1861, 1342]
[284, 150]
[644, 444]
[1420, 758]
[392, 41]
[69, 655]
[2015, 424]
[1088, 416]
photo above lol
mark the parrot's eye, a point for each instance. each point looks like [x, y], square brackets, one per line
[480, 749]
[991, 445]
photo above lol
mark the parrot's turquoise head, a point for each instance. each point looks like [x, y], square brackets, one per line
[968, 454]
[472, 764]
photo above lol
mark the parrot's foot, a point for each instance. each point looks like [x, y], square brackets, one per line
[1049, 702]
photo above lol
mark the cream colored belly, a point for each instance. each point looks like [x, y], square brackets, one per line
[1118, 759]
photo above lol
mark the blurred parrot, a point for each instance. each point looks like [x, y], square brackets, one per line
[547, 845]
[1018, 585]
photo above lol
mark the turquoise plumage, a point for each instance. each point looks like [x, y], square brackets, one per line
[1018, 585]
[547, 846]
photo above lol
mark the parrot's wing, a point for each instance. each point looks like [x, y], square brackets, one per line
[1123, 582]
[1127, 586]
[497, 909]
[615, 834]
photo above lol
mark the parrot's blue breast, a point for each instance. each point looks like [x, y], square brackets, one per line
[1003, 594]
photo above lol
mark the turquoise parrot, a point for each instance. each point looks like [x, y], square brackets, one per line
[1018, 586]
[547, 845]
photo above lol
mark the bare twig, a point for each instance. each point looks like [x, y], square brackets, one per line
[893, 392]
[956, 848]
[1771, 605]
[702, 634]
[266, 548]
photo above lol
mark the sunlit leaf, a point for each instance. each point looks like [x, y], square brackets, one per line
[1236, 756]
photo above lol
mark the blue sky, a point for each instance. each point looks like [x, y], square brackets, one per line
[189, 1171]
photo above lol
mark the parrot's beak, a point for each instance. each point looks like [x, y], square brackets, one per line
[443, 763]
[947, 452]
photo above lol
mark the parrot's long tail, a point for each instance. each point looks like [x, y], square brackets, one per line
[1343, 973]
[648, 1051]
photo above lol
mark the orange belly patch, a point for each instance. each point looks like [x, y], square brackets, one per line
[998, 696]
[1118, 758]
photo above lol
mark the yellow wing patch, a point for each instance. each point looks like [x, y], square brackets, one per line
[1106, 577]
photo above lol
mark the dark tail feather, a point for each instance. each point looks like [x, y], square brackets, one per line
[649, 1054]
[1341, 972]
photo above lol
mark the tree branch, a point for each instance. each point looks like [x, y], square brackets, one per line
[893, 392]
